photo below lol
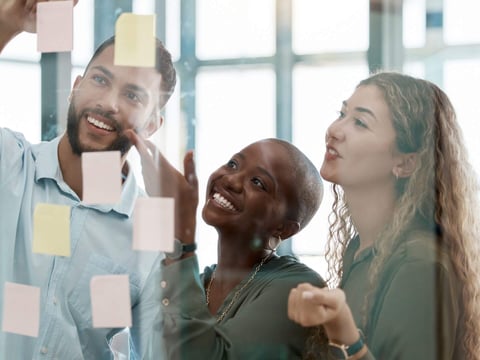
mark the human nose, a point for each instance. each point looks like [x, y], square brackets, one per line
[335, 131]
[233, 182]
[109, 102]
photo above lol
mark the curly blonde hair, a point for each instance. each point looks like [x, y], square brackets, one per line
[440, 196]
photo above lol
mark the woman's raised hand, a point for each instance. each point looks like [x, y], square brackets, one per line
[162, 179]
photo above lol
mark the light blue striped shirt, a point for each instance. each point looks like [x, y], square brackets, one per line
[100, 245]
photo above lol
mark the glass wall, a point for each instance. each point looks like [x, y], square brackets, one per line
[233, 79]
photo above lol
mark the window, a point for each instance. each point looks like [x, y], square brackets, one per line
[232, 76]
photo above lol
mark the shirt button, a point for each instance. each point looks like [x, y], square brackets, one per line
[165, 302]
[44, 350]
[163, 284]
[54, 300]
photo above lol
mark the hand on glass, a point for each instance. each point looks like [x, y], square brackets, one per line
[20, 15]
[162, 179]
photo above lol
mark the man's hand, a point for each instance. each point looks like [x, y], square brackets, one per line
[163, 180]
[18, 15]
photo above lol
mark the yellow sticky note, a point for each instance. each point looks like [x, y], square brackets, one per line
[21, 309]
[51, 229]
[135, 40]
[55, 26]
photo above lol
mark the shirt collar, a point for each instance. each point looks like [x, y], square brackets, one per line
[349, 259]
[47, 166]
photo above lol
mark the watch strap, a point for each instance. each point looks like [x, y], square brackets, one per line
[350, 351]
[189, 247]
[179, 249]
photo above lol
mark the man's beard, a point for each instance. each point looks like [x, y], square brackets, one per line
[122, 143]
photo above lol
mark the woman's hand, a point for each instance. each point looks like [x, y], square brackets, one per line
[163, 180]
[311, 306]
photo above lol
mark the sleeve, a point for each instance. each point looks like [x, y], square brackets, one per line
[418, 316]
[12, 148]
[259, 329]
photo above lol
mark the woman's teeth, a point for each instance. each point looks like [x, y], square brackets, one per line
[219, 199]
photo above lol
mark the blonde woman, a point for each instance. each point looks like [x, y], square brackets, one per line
[404, 235]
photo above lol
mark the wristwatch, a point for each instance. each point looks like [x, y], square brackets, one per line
[345, 352]
[179, 249]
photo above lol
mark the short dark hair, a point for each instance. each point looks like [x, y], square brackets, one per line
[163, 65]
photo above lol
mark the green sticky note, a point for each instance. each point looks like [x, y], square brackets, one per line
[135, 40]
[51, 229]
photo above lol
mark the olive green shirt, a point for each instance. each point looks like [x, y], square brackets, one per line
[255, 327]
[416, 311]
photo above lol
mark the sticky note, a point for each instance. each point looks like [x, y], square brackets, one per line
[153, 224]
[21, 309]
[110, 299]
[51, 229]
[102, 178]
[55, 26]
[135, 40]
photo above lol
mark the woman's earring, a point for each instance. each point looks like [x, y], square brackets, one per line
[396, 175]
[273, 248]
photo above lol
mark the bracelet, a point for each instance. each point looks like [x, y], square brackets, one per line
[346, 352]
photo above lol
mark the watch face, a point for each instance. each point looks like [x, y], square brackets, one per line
[337, 352]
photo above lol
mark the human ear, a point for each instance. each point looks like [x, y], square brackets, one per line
[406, 165]
[154, 122]
[288, 229]
[76, 83]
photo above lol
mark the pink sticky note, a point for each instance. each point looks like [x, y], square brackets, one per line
[153, 224]
[110, 297]
[55, 26]
[21, 309]
[102, 179]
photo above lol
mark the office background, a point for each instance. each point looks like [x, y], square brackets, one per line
[250, 69]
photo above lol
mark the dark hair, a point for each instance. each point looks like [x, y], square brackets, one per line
[163, 65]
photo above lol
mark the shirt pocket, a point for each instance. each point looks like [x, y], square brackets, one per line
[79, 299]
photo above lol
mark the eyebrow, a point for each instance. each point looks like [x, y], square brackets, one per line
[361, 109]
[129, 86]
[104, 70]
